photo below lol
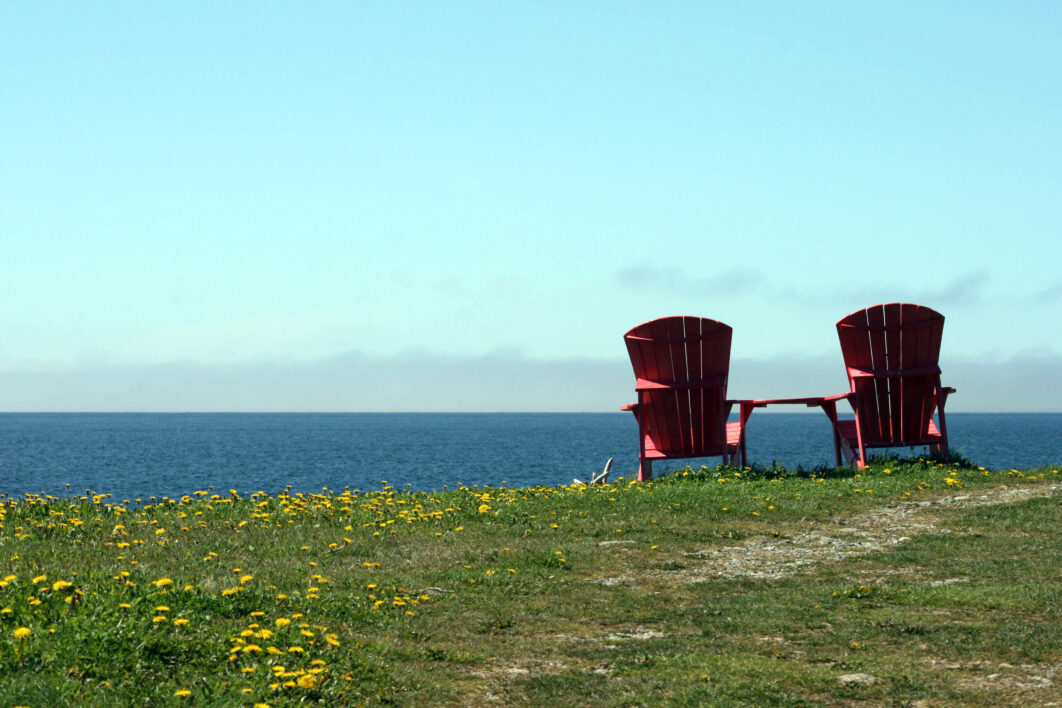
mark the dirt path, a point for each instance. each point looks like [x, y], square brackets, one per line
[870, 532]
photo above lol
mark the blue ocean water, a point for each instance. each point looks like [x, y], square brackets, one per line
[140, 455]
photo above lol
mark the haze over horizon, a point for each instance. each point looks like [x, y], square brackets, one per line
[457, 207]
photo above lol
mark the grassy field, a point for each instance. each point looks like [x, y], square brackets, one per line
[913, 583]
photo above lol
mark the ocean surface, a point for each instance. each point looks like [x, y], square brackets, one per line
[140, 455]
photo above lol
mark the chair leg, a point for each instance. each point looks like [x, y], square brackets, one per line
[645, 471]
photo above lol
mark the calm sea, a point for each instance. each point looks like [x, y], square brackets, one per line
[139, 455]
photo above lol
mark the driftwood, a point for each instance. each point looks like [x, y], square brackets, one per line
[600, 478]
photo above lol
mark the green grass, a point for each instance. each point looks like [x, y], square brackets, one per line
[608, 595]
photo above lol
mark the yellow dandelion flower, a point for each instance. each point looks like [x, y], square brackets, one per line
[60, 585]
[182, 692]
[23, 632]
[182, 620]
[162, 608]
[306, 681]
[246, 579]
[282, 622]
[162, 582]
[39, 579]
[159, 619]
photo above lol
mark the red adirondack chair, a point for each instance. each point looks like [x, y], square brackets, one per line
[681, 366]
[891, 354]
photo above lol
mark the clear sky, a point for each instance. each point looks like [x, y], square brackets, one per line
[464, 205]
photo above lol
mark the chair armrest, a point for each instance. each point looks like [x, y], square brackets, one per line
[630, 407]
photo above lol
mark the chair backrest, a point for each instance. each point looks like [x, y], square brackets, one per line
[681, 366]
[891, 353]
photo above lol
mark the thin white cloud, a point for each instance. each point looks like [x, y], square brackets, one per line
[499, 381]
[964, 289]
[731, 282]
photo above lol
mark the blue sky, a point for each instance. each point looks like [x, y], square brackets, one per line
[463, 206]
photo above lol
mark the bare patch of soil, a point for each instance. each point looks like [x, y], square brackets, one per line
[871, 532]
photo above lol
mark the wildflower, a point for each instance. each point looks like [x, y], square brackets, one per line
[23, 632]
[282, 622]
[182, 692]
[162, 582]
[159, 619]
[306, 681]
[182, 620]
[60, 585]
[162, 608]
[39, 579]
[246, 579]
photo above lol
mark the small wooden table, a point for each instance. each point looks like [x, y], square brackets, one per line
[828, 404]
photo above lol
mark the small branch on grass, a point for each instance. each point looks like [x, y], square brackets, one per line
[600, 478]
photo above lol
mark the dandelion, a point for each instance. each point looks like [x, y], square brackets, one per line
[282, 622]
[306, 681]
[60, 585]
[39, 579]
[162, 582]
[159, 619]
[246, 579]
[182, 692]
[182, 620]
[23, 632]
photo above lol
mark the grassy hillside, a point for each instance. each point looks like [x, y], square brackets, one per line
[913, 581]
